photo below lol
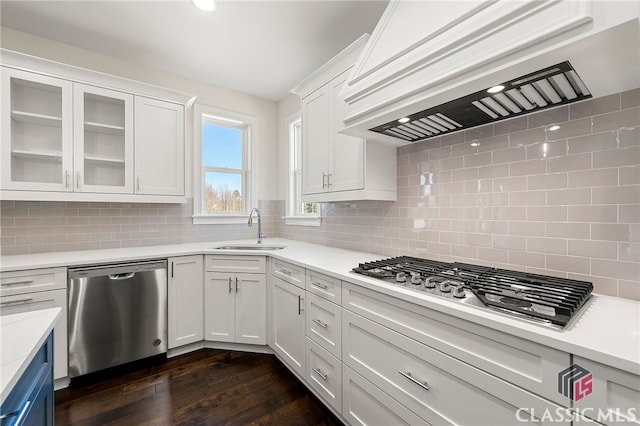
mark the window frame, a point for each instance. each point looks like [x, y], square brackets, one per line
[294, 177]
[203, 114]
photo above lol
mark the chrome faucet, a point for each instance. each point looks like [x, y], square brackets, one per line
[250, 223]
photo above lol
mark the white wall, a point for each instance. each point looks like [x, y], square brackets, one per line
[269, 181]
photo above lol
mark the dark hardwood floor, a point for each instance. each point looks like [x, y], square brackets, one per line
[207, 387]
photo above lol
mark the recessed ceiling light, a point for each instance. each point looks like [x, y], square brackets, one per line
[206, 5]
[404, 120]
[475, 143]
[553, 128]
[496, 89]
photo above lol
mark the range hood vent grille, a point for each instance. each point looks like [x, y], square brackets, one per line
[547, 88]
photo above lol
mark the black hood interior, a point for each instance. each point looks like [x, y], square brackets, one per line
[547, 88]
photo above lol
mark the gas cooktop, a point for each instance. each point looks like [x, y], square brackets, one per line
[543, 299]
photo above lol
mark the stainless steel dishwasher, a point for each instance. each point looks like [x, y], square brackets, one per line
[117, 314]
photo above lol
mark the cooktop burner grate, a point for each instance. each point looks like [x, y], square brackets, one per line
[538, 297]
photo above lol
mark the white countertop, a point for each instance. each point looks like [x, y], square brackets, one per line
[21, 336]
[607, 329]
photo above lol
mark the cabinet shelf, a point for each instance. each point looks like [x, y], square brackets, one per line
[33, 118]
[30, 153]
[103, 128]
[104, 159]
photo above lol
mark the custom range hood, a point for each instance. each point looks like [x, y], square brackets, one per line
[437, 77]
[547, 88]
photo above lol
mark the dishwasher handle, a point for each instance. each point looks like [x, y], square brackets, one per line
[124, 276]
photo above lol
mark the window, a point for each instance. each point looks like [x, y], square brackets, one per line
[298, 212]
[222, 179]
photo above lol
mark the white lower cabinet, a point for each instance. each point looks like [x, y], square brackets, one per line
[235, 303]
[21, 291]
[186, 309]
[610, 396]
[324, 374]
[288, 323]
[235, 307]
[366, 405]
[440, 389]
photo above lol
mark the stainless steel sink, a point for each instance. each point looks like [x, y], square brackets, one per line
[248, 247]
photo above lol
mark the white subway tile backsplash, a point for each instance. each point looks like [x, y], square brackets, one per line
[579, 265]
[547, 245]
[593, 249]
[629, 213]
[509, 155]
[629, 136]
[564, 197]
[627, 156]
[568, 230]
[529, 167]
[549, 181]
[591, 178]
[569, 163]
[593, 213]
[615, 232]
[621, 270]
[615, 120]
[629, 252]
[546, 213]
[629, 194]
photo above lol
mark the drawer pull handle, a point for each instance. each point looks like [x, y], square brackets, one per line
[320, 373]
[236, 284]
[19, 282]
[286, 272]
[229, 284]
[322, 286]
[15, 302]
[320, 323]
[21, 412]
[423, 385]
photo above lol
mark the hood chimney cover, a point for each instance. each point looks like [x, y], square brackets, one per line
[547, 88]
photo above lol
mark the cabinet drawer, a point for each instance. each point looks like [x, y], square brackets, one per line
[615, 395]
[324, 374]
[232, 264]
[288, 272]
[364, 404]
[324, 324]
[529, 365]
[30, 302]
[34, 280]
[324, 286]
[429, 382]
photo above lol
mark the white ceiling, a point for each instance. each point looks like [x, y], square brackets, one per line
[263, 48]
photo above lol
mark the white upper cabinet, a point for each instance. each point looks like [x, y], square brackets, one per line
[159, 147]
[77, 135]
[36, 132]
[425, 53]
[103, 140]
[336, 166]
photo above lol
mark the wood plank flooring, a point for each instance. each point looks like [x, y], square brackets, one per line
[207, 387]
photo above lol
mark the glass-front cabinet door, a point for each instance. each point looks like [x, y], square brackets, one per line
[103, 140]
[37, 135]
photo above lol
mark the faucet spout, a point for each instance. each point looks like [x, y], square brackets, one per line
[250, 223]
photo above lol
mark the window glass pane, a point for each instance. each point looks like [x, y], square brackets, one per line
[223, 192]
[221, 146]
